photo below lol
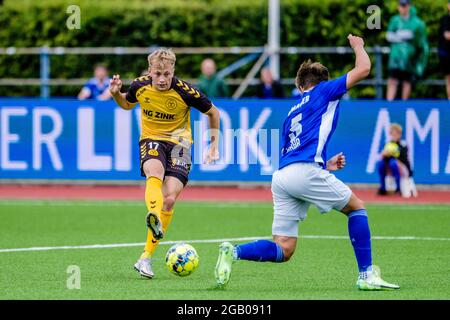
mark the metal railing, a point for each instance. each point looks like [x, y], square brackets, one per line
[252, 53]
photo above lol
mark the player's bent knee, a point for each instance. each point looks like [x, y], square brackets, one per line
[153, 170]
[359, 204]
[287, 244]
[169, 202]
[153, 173]
[288, 252]
[353, 204]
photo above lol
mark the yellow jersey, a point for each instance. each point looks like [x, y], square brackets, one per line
[165, 115]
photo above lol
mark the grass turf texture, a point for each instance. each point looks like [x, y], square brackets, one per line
[320, 269]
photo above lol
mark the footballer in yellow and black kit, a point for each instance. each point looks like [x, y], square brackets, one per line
[166, 137]
[166, 126]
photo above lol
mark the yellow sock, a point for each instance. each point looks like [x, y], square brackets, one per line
[153, 195]
[166, 218]
[151, 244]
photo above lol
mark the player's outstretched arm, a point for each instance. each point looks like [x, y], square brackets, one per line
[362, 63]
[214, 126]
[115, 84]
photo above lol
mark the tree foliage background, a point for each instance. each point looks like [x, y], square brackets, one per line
[194, 23]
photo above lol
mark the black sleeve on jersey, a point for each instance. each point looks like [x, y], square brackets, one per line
[131, 94]
[135, 86]
[403, 158]
[192, 96]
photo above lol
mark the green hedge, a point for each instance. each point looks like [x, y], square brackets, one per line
[176, 23]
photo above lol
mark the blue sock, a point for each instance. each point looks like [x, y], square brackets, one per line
[358, 229]
[261, 250]
[382, 173]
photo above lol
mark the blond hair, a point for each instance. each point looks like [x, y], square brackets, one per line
[396, 127]
[162, 56]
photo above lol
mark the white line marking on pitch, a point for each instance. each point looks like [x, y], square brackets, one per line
[123, 245]
[128, 203]
[136, 203]
[138, 244]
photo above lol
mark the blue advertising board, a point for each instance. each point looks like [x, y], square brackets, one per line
[67, 139]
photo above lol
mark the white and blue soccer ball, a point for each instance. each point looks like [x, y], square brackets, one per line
[182, 259]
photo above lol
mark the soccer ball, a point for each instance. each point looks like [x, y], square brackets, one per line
[182, 259]
[392, 149]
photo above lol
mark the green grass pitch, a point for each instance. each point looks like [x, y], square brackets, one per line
[322, 268]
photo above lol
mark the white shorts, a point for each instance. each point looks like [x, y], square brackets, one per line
[296, 187]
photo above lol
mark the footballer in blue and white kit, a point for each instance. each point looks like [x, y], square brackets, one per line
[304, 176]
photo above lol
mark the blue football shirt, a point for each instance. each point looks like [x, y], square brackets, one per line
[311, 123]
[96, 88]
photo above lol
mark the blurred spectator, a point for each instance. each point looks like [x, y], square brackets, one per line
[269, 88]
[97, 87]
[394, 160]
[209, 83]
[444, 48]
[409, 50]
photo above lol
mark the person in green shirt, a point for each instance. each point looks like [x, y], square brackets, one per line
[210, 83]
[444, 48]
[409, 50]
